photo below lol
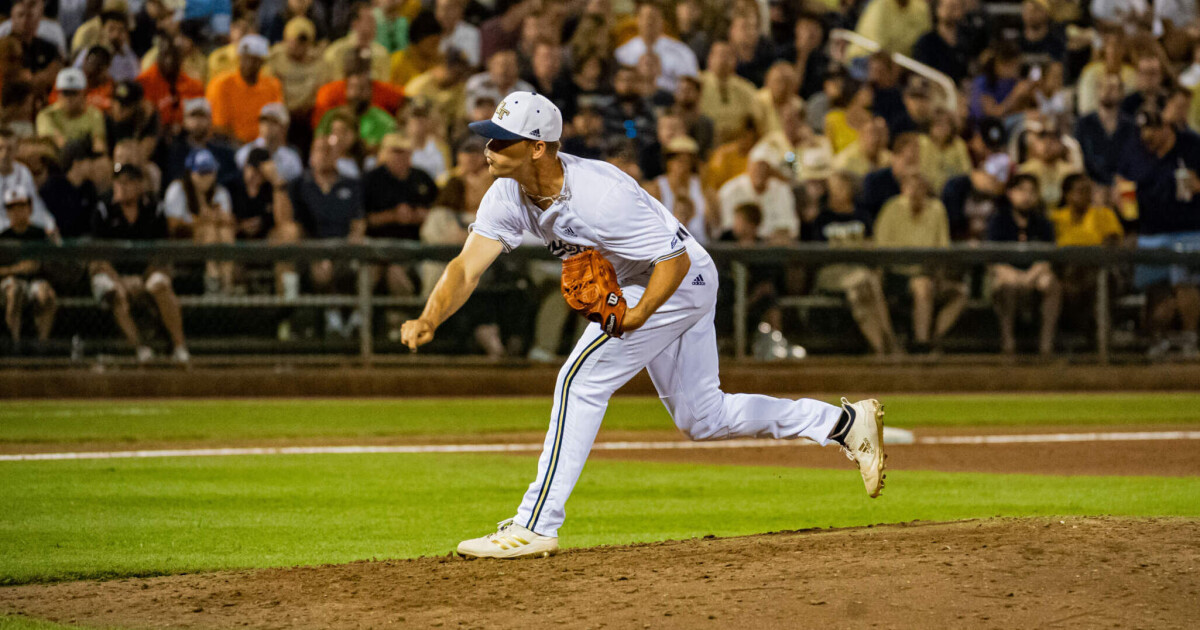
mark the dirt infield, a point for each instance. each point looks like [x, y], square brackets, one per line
[1003, 573]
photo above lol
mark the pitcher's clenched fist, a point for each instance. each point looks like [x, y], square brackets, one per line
[415, 333]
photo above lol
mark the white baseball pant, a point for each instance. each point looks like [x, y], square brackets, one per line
[678, 346]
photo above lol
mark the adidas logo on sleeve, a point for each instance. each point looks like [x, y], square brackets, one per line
[698, 280]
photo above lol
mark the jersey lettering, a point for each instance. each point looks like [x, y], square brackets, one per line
[563, 249]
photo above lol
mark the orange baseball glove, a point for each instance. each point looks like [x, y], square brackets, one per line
[589, 284]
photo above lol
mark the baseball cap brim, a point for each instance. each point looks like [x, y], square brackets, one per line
[489, 129]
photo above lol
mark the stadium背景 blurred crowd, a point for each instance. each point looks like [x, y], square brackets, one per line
[278, 120]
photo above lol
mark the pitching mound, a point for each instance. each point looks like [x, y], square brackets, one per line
[1074, 572]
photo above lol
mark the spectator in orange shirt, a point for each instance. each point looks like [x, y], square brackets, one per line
[167, 87]
[385, 96]
[237, 96]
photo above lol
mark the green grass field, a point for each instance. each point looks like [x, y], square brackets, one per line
[22, 623]
[247, 420]
[99, 519]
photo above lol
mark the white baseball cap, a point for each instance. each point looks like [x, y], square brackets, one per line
[522, 116]
[70, 80]
[763, 152]
[15, 194]
[276, 112]
[254, 46]
[197, 105]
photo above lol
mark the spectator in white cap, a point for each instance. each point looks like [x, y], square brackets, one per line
[760, 186]
[238, 96]
[71, 116]
[13, 174]
[273, 121]
[225, 58]
[22, 284]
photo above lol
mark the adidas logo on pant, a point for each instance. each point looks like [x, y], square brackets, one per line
[698, 281]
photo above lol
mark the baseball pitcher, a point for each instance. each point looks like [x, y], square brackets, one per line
[651, 292]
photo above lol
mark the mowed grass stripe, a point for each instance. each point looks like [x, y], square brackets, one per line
[15, 622]
[227, 420]
[100, 519]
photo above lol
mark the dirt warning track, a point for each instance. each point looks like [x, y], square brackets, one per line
[1003, 573]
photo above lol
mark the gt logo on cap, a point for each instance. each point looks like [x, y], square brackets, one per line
[522, 116]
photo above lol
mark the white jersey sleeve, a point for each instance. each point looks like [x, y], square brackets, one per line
[499, 216]
[635, 226]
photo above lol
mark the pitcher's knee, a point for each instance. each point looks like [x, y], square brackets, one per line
[701, 422]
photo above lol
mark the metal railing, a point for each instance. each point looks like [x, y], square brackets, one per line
[1104, 260]
[904, 61]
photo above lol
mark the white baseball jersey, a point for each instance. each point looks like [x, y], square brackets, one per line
[600, 208]
[605, 209]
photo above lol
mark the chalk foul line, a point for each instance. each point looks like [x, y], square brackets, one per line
[897, 437]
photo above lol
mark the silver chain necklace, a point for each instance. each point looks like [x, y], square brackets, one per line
[552, 199]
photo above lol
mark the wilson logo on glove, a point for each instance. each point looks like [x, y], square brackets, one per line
[589, 285]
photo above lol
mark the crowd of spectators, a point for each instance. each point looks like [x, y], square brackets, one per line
[281, 120]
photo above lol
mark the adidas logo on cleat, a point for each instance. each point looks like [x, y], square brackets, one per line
[698, 281]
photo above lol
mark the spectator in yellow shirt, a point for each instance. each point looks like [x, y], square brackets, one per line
[299, 66]
[1049, 159]
[778, 91]
[944, 154]
[894, 24]
[914, 219]
[869, 152]
[1080, 224]
[238, 96]
[843, 122]
[71, 116]
[422, 52]
[725, 97]
[445, 86]
[360, 37]
[730, 159]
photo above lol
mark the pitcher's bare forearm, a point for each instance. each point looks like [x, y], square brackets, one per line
[452, 289]
[664, 281]
[449, 294]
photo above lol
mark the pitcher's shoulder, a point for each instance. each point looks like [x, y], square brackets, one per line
[503, 192]
[597, 173]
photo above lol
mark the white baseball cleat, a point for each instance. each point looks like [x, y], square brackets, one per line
[509, 541]
[864, 442]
